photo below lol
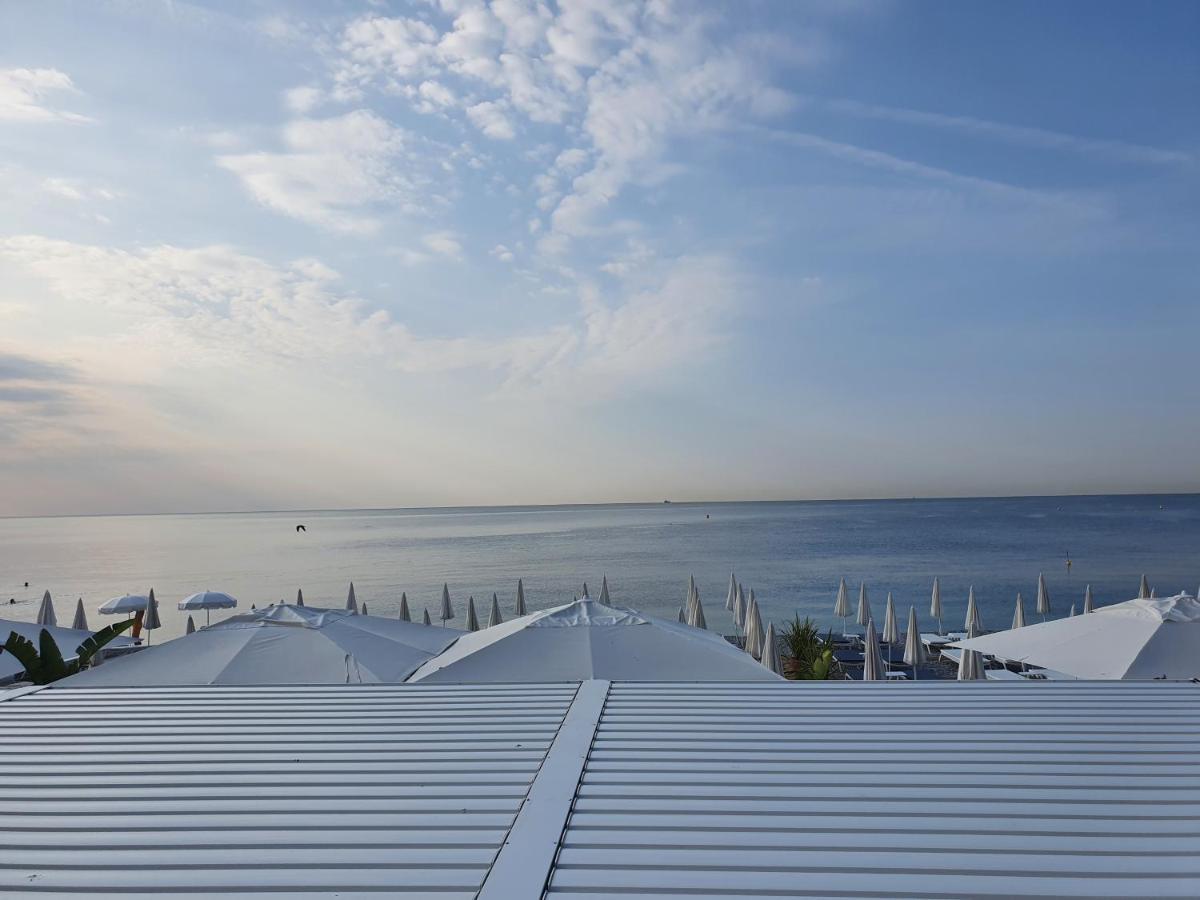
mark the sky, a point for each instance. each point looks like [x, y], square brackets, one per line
[269, 255]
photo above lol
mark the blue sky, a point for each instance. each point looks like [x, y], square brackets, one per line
[269, 255]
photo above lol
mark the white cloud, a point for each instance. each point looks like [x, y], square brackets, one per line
[303, 99]
[490, 118]
[443, 243]
[332, 169]
[23, 94]
[501, 253]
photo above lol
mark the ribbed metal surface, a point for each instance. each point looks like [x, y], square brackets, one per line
[920, 790]
[226, 792]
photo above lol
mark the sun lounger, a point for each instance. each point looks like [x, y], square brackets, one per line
[1001, 675]
[950, 654]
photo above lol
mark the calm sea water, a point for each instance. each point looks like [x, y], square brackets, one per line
[792, 554]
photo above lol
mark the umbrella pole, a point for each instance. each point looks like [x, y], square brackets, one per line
[207, 617]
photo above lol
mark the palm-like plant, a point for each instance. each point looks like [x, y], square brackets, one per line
[811, 656]
[44, 663]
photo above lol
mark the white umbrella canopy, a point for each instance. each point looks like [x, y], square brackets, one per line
[914, 650]
[151, 621]
[1144, 589]
[191, 626]
[404, 614]
[864, 605]
[587, 639]
[1087, 600]
[128, 604]
[604, 598]
[935, 603]
[973, 620]
[1019, 613]
[362, 610]
[753, 627]
[46, 614]
[472, 618]
[739, 609]
[282, 644]
[68, 640]
[1043, 597]
[1140, 638]
[891, 627]
[494, 617]
[351, 602]
[80, 623]
[520, 607]
[425, 618]
[210, 600]
[447, 609]
[872, 660]
[841, 606]
[970, 666]
[732, 592]
[1071, 614]
[299, 597]
[770, 654]
[682, 617]
[698, 620]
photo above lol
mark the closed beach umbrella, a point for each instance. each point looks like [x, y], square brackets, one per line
[698, 612]
[151, 621]
[494, 614]
[1043, 598]
[404, 614]
[447, 609]
[351, 603]
[973, 620]
[1019, 613]
[46, 614]
[691, 593]
[208, 600]
[759, 634]
[586, 595]
[1144, 589]
[299, 597]
[521, 598]
[80, 622]
[751, 642]
[864, 605]
[914, 650]
[732, 592]
[935, 604]
[872, 660]
[1071, 614]
[841, 607]
[970, 666]
[682, 616]
[604, 598]
[425, 617]
[770, 653]
[191, 626]
[891, 628]
[363, 609]
[1087, 599]
[739, 610]
[472, 619]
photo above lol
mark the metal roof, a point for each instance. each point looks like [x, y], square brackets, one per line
[626, 790]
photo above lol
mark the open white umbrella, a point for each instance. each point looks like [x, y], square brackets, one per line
[208, 600]
[864, 605]
[151, 621]
[472, 619]
[935, 603]
[891, 628]
[914, 650]
[604, 598]
[872, 660]
[973, 620]
[770, 653]
[587, 639]
[1144, 589]
[282, 644]
[124, 605]
[425, 617]
[447, 609]
[1087, 599]
[1019, 613]
[732, 592]
[299, 597]
[841, 606]
[520, 608]
[46, 615]
[191, 626]
[494, 617]
[404, 614]
[80, 623]
[1043, 597]
[351, 603]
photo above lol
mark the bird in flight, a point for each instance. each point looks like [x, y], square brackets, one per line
[301, 528]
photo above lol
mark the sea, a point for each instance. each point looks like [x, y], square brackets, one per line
[792, 554]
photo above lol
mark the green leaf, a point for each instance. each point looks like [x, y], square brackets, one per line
[96, 642]
[22, 648]
[53, 667]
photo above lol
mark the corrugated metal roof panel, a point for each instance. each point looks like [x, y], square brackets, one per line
[854, 790]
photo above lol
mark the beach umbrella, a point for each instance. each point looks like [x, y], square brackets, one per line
[472, 619]
[283, 644]
[447, 609]
[751, 637]
[914, 650]
[80, 623]
[299, 597]
[1071, 614]
[732, 592]
[151, 621]
[521, 611]
[935, 603]
[1087, 599]
[1144, 589]
[1153, 593]
[841, 607]
[682, 616]
[970, 666]
[864, 605]
[207, 600]
[1043, 598]
[351, 603]
[691, 592]
[1019, 613]
[404, 614]
[68, 640]
[758, 625]
[425, 617]
[604, 598]
[891, 628]
[586, 596]
[872, 660]
[494, 614]
[698, 619]
[191, 626]
[45, 615]
[739, 610]
[363, 609]
[587, 639]
[770, 654]
[973, 620]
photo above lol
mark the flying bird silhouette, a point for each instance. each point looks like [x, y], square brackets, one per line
[301, 528]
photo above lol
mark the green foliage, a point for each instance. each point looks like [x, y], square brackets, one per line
[44, 663]
[811, 656]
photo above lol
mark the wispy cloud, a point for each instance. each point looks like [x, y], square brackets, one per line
[25, 95]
